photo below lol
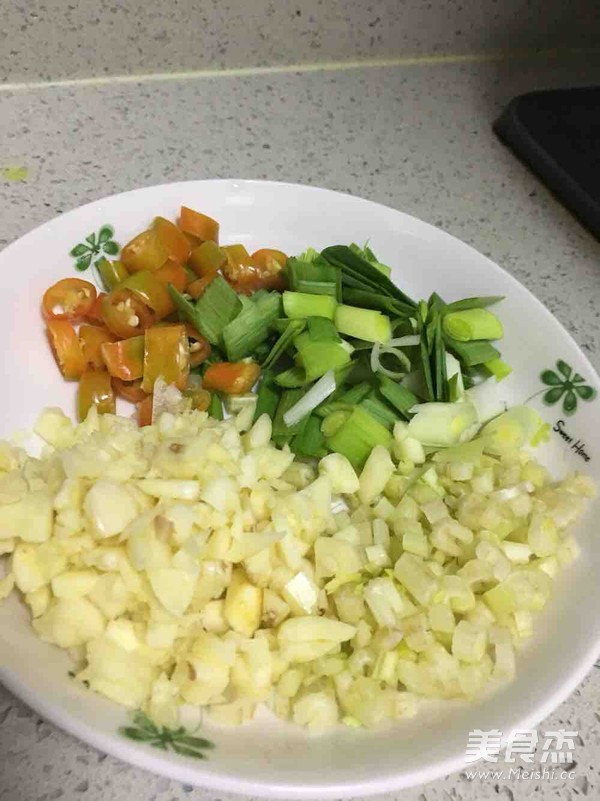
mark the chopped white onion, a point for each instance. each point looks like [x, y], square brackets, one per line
[338, 504]
[509, 493]
[315, 395]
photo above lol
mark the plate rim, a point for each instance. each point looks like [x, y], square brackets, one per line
[173, 766]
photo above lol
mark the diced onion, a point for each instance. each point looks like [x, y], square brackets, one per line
[188, 565]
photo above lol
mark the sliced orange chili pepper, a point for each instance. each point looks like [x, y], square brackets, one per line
[199, 346]
[269, 260]
[233, 378]
[144, 411]
[124, 359]
[68, 299]
[207, 258]
[95, 389]
[166, 355]
[125, 314]
[197, 288]
[198, 225]
[247, 274]
[193, 240]
[129, 390]
[112, 273]
[191, 275]
[95, 313]
[172, 273]
[151, 291]
[66, 348]
[91, 338]
[237, 255]
[144, 252]
[172, 239]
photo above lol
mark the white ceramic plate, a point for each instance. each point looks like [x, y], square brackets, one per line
[268, 757]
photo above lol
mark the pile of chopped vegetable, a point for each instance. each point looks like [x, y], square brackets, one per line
[192, 563]
[197, 562]
[336, 352]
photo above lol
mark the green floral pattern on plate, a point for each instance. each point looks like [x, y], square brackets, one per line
[566, 385]
[95, 248]
[143, 730]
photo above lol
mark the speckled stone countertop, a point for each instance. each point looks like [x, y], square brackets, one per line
[414, 137]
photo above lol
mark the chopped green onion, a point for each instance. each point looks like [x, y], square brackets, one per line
[292, 378]
[212, 311]
[334, 421]
[267, 397]
[315, 278]
[321, 329]
[485, 397]
[251, 326]
[473, 353]
[345, 400]
[456, 387]
[433, 353]
[334, 406]
[360, 344]
[407, 341]
[472, 324]
[281, 324]
[376, 406]
[356, 394]
[292, 330]
[399, 396]
[367, 254]
[360, 368]
[357, 436]
[367, 299]
[498, 368]
[185, 307]
[215, 408]
[215, 308]
[301, 304]
[367, 324]
[261, 352]
[473, 303]
[440, 425]
[310, 442]
[426, 366]
[281, 432]
[309, 255]
[361, 274]
[321, 390]
[376, 361]
[316, 357]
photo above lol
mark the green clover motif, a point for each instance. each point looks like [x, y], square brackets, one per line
[566, 385]
[178, 740]
[94, 249]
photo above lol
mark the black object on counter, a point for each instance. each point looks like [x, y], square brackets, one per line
[557, 134]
